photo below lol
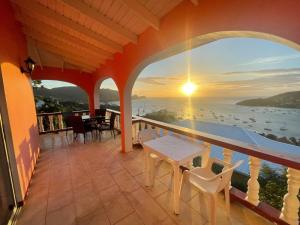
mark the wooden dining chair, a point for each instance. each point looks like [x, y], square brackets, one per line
[79, 127]
[204, 179]
[108, 126]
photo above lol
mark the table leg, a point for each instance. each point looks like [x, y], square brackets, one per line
[176, 197]
[148, 168]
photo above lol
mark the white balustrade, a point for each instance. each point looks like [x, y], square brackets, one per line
[60, 121]
[41, 123]
[158, 131]
[227, 155]
[253, 185]
[51, 124]
[291, 204]
[205, 156]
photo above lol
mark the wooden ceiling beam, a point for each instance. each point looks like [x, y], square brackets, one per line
[65, 56]
[143, 13]
[63, 45]
[31, 44]
[40, 26]
[195, 2]
[78, 64]
[94, 14]
[37, 8]
[60, 51]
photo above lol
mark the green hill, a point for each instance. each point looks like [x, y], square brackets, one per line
[285, 100]
[76, 94]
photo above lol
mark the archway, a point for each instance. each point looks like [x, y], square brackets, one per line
[106, 94]
[264, 76]
[58, 96]
[189, 44]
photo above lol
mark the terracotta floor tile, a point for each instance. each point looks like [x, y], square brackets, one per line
[132, 219]
[94, 219]
[65, 216]
[116, 205]
[187, 216]
[125, 181]
[148, 210]
[59, 201]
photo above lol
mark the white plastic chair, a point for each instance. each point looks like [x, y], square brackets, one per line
[210, 183]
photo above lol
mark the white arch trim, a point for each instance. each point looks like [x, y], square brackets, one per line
[97, 90]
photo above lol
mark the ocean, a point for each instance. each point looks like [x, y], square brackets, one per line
[269, 120]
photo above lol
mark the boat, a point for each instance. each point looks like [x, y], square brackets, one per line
[283, 128]
[252, 119]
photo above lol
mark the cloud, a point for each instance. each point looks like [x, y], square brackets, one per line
[271, 60]
[270, 72]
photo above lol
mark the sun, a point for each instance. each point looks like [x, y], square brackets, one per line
[188, 88]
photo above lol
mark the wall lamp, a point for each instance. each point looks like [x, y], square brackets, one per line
[30, 64]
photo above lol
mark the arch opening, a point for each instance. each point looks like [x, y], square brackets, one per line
[58, 96]
[107, 94]
[247, 89]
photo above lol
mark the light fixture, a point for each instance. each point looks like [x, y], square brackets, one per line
[29, 66]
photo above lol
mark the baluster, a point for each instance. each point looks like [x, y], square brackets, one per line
[206, 154]
[291, 204]
[51, 124]
[158, 131]
[165, 132]
[253, 185]
[41, 123]
[60, 121]
[227, 154]
[134, 133]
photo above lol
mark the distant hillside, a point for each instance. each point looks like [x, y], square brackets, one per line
[285, 100]
[76, 94]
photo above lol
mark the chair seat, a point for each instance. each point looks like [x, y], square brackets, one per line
[205, 186]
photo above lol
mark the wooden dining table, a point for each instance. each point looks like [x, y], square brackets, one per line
[177, 151]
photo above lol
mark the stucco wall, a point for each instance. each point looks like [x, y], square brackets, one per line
[17, 101]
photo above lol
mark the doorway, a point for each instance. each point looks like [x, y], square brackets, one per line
[7, 196]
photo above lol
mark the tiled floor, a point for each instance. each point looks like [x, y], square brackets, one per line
[95, 184]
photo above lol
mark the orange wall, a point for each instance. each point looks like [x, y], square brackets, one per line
[18, 94]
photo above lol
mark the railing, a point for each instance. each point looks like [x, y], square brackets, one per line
[289, 211]
[50, 122]
[54, 122]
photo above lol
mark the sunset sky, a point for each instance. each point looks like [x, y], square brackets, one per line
[231, 67]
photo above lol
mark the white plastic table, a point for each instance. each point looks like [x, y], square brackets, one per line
[176, 151]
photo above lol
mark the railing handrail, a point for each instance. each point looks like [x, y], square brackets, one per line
[114, 111]
[238, 146]
[49, 114]
[81, 111]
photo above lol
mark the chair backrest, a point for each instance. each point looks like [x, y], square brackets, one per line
[112, 120]
[67, 118]
[77, 124]
[147, 135]
[225, 175]
[100, 112]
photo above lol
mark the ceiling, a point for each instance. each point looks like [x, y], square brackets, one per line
[83, 34]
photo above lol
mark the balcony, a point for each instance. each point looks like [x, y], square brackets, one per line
[95, 183]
